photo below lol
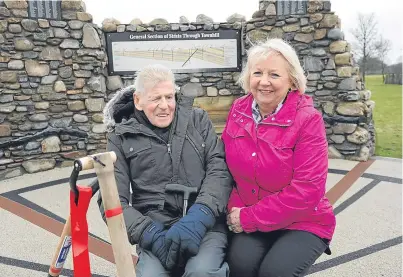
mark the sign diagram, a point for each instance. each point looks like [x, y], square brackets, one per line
[181, 55]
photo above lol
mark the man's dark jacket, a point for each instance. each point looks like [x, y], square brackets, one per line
[192, 156]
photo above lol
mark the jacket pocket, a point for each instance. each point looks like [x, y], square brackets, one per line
[238, 143]
[235, 130]
[132, 148]
[278, 145]
[279, 137]
[142, 165]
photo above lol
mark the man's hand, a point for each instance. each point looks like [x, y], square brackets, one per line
[153, 239]
[233, 220]
[185, 236]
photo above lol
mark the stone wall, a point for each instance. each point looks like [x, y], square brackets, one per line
[333, 80]
[54, 83]
[52, 88]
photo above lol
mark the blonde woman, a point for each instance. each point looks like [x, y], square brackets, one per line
[276, 150]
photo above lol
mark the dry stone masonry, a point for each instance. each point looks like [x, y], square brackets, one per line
[333, 80]
[52, 88]
[54, 81]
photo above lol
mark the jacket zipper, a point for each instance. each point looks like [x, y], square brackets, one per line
[254, 165]
[170, 141]
[257, 146]
[173, 126]
[195, 148]
[257, 125]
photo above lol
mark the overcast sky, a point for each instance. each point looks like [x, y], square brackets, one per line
[388, 13]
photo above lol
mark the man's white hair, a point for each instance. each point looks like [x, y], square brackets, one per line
[262, 50]
[151, 75]
[148, 77]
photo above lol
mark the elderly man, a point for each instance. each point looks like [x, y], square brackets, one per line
[165, 146]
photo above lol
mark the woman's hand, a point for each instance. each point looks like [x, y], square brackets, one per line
[233, 220]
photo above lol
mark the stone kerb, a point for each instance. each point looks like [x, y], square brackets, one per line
[52, 88]
[333, 80]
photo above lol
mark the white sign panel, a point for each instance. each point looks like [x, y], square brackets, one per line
[181, 51]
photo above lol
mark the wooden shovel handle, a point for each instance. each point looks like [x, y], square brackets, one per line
[88, 161]
[121, 247]
[62, 250]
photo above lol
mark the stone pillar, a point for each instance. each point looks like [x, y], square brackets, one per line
[53, 85]
[333, 79]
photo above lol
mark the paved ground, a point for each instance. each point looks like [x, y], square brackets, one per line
[367, 199]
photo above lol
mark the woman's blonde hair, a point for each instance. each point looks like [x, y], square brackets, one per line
[262, 50]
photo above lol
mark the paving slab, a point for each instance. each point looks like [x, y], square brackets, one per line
[359, 185]
[37, 178]
[367, 240]
[332, 180]
[32, 245]
[342, 164]
[372, 219]
[384, 263]
[390, 167]
[56, 199]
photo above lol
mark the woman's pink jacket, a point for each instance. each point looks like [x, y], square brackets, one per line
[280, 167]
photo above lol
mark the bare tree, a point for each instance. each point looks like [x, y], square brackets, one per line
[383, 47]
[373, 66]
[365, 35]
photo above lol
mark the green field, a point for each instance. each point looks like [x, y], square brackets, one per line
[387, 116]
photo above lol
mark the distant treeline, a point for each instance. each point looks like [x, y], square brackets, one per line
[395, 79]
[374, 66]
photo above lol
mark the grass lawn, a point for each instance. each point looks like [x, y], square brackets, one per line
[387, 116]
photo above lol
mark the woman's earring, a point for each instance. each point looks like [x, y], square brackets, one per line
[289, 90]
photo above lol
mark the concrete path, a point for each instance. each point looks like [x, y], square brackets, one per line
[367, 201]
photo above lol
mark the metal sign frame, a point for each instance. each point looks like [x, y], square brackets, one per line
[184, 47]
